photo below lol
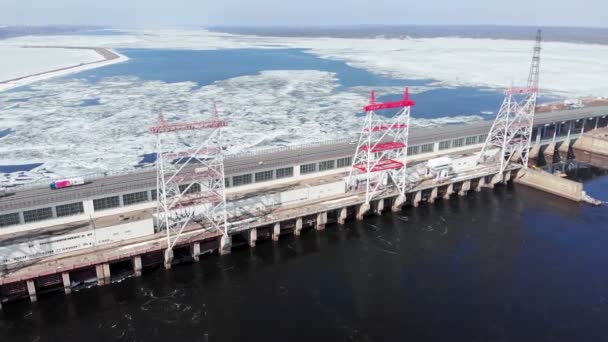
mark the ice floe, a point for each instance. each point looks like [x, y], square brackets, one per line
[274, 108]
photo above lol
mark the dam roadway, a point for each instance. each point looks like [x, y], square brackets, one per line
[30, 196]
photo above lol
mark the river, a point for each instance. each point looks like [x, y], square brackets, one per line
[510, 264]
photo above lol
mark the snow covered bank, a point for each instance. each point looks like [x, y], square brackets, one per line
[22, 66]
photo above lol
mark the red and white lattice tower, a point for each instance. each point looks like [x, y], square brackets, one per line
[511, 134]
[381, 153]
[190, 182]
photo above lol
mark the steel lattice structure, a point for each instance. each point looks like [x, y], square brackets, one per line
[382, 148]
[190, 183]
[511, 134]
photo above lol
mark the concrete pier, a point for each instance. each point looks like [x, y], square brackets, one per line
[480, 184]
[506, 177]
[433, 195]
[225, 244]
[137, 266]
[168, 258]
[67, 284]
[564, 149]
[252, 237]
[379, 206]
[107, 275]
[466, 186]
[298, 229]
[497, 178]
[534, 152]
[449, 191]
[195, 251]
[342, 214]
[547, 182]
[363, 209]
[321, 221]
[276, 231]
[417, 198]
[31, 290]
[549, 152]
[398, 203]
[103, 274]
[592, 148]
[99, 273]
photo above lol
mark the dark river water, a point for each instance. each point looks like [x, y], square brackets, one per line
[510, 264]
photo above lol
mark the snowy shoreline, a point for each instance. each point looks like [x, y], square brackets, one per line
[25, 80]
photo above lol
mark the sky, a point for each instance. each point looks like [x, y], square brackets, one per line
[164, 13]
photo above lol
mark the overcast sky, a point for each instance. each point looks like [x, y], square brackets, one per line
[152, 13]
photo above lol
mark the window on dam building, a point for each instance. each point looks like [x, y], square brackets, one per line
[471, 140]
[264, 176]
[444, 145]
[136, 197]
[37, 215]
[345, 162]
[69, 209]
[9, 219]
[106, 203]
[190, 189]
[308, 168]
[284, 172]
[426, 148]
[241, 180]
[413, 150]
[326, 165]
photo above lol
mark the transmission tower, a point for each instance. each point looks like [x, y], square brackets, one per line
[190, 182]
[511, 134]
[382, 148]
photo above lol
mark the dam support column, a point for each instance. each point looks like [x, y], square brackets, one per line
[480, 184]
[99, 273]
[449, 191]
[195, 251]
[225, 244]
[137, 266]
[398, 203]
[168, 258]
[506, 177]
[67, 284]
[276, 231]
[321, 220]
[107, 276]
[563, 149]
[342, 215]
[363, 209]
[31, 290]
[380, 206]
[497, 178]
[466, 186]
[103, 274]
[298, 229]
[417, 198]
[252, 237]
[433, 195]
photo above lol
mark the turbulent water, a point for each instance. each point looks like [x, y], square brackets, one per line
[511, 264]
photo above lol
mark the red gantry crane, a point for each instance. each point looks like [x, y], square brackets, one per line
[381, 153]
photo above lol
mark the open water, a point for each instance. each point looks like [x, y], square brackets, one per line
[511, 264]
